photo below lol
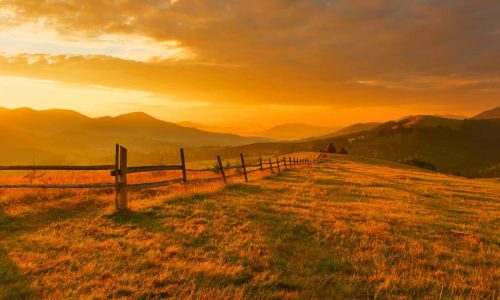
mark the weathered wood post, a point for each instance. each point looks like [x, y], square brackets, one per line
[278, 163]
[183, 166]
[290, 162]
[284, 161]
[261, 166]
[117, 175]
[271, 165]
[243, 166]
[221, 168]
[123, 179]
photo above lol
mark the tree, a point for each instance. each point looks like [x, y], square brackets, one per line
[330, 148]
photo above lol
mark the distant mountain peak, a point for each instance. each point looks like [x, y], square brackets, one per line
[136, 116]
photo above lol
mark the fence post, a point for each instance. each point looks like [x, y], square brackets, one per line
[123, 178]
[117, 175]
[278, 163]
[284, 161]
[183, 165]
[261, 167]
[271, 165]
[244, 167]
[221, 168]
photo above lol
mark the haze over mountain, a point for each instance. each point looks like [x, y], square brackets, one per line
[347, 130]
[215, 128]
[294, 131]
[489, 114]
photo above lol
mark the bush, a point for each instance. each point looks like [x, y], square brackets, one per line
[420, 164]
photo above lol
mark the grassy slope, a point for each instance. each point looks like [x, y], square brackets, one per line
[351, 227]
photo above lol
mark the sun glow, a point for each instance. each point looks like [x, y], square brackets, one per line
[90, 100]
[33, 38]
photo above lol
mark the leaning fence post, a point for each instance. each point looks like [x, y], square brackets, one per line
[243, 166]
[261, 167]
[271, 165]
[117, 175]
[221, 168]
[183, 166]
[278, 163]
[123, 178]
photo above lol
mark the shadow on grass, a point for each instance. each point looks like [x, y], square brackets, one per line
[297, 263]
[146, 220]
[13, 285]
[32, 221]
[300, 262]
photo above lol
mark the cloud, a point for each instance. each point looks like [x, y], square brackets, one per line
[274, 51]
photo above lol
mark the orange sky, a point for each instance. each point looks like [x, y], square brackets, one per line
[262, 62]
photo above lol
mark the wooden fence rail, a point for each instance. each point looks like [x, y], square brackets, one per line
[120, 171]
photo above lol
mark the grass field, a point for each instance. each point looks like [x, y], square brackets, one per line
[347, 228]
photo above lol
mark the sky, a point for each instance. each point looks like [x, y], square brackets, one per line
[252, 63]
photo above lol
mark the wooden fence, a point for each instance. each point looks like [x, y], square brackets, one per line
[119, 170]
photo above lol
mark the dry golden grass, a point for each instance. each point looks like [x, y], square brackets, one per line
[348, 228]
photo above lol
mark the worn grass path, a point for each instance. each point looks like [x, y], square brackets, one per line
[349, 228]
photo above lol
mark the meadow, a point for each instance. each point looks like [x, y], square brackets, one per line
[349, 227]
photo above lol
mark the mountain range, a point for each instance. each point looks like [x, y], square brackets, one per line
[467, 147]
[63, 135]
[287, 131]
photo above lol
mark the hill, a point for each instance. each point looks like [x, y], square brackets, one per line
[351, 227]
[293, 131]
[466, 147]
[489, 114]
[75, 137]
